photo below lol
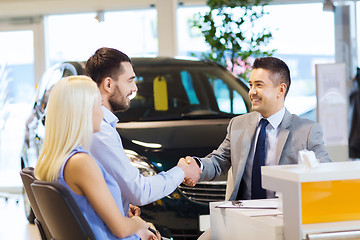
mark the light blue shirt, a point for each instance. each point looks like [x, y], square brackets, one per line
[272, 132]
[107, 148]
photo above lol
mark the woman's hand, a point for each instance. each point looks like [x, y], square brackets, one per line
[149, 235]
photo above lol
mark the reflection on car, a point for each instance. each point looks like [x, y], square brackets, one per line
[182, 107]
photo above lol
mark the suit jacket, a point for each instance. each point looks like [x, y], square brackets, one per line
[295, 134]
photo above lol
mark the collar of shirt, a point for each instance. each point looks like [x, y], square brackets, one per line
[272, 130]
[275, 119]
[109, 117]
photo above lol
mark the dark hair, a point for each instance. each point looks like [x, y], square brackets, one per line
[106, 62]
[279, 71]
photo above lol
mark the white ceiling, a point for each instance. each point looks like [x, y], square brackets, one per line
[21, 8]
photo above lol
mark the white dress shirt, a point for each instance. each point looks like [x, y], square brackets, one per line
[270, 158]
[272, 136]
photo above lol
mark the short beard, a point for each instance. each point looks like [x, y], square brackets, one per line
[118, 102]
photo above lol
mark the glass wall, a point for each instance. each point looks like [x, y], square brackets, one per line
[16, 94]
[17, 61]
[303, 35]
[190, 38]
[75, 37]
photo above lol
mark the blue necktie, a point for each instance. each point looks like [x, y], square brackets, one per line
[257, 192]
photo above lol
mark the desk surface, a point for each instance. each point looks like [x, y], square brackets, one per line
[255, 224]
[324, 172]
[239, 223]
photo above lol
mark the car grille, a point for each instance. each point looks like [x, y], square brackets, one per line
[205, 191]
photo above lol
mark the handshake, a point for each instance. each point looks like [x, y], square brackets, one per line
[191, 169]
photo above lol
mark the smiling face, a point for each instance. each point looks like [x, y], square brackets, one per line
[123, 87]
[266, 98]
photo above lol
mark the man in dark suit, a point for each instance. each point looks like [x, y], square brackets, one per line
[285, 134]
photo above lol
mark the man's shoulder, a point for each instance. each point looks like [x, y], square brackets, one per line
[300, 120]
[246, 117]
[299, 124]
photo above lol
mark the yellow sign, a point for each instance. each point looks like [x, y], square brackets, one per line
[160, 94]
[330, 201]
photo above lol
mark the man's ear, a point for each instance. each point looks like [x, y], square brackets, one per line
[282, 89]
[106, 84]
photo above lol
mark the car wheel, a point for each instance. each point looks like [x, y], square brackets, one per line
[28, 210]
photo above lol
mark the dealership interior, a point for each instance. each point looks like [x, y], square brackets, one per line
[318, 39]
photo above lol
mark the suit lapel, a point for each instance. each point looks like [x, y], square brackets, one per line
[245, 144]
[283, 134]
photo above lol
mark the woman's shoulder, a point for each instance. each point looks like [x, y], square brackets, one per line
[80, 162]
[81, 158]
[83, 163]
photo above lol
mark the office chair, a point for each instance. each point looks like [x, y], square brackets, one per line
[60, 212]
[27, 177]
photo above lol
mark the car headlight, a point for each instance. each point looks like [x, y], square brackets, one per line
[140, 163]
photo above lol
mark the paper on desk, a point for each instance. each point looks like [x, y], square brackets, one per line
[252, 204]
[255, 208]
[261, 212]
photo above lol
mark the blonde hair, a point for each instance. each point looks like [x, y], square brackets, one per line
[68, 123]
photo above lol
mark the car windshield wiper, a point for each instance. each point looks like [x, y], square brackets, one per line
[187, 116]
[161, 118]
[207, 115]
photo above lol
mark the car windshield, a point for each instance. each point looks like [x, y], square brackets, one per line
[168, 92]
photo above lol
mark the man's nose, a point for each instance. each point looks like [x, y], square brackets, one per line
[134, 88]
[252, 91]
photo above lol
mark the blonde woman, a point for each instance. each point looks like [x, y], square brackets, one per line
[73, 114]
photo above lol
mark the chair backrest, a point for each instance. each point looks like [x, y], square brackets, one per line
[60, 211]
[28, 177]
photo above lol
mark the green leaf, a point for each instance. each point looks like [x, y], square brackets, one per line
[229, 30]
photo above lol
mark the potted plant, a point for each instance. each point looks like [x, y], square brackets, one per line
[230, 28]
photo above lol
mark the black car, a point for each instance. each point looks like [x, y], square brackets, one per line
[193, 104]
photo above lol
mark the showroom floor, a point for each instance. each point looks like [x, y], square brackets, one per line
[13, 222]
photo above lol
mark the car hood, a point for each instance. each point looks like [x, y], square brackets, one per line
[182, 134]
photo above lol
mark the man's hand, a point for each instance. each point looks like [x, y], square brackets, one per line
[134, 211]
[191, 170]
